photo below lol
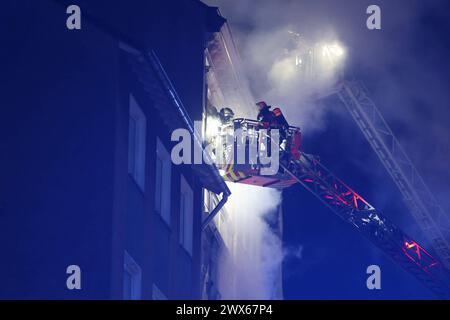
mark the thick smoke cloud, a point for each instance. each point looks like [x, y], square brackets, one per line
[251, 269]
[397, 63]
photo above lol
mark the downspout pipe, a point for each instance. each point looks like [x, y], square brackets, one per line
[216, 210]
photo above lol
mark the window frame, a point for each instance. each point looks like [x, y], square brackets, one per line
[186, 231]
[163, 182]
[157, 294]
[137, 145]
[132, 268]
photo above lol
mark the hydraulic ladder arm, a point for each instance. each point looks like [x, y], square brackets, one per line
[352, 208]
[421, 202]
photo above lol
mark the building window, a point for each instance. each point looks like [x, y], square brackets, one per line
[186, 215]
[136, 143]
[157, 294]
[132, 277]
[163, 181]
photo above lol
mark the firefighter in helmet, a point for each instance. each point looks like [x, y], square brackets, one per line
[265, 115]
[226, 116]
[269, 119]
[275, 119]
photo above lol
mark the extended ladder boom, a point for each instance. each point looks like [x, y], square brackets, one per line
[420, 200]
[351, 207]
[346, 203]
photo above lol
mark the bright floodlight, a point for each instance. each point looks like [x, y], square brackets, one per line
[337, 50]
[212, 127]
[332, 51]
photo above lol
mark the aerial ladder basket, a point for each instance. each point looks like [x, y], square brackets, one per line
[242, 168]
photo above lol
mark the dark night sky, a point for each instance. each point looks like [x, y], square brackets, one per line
[406, 68]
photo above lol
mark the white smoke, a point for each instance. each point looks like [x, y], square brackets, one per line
[275, 63]
[251, 268]
[396, 76]
[282, 57]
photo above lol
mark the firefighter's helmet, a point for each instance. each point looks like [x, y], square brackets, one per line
[261, 105]
[226, 115]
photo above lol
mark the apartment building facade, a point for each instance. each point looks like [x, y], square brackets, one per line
[86, 123]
